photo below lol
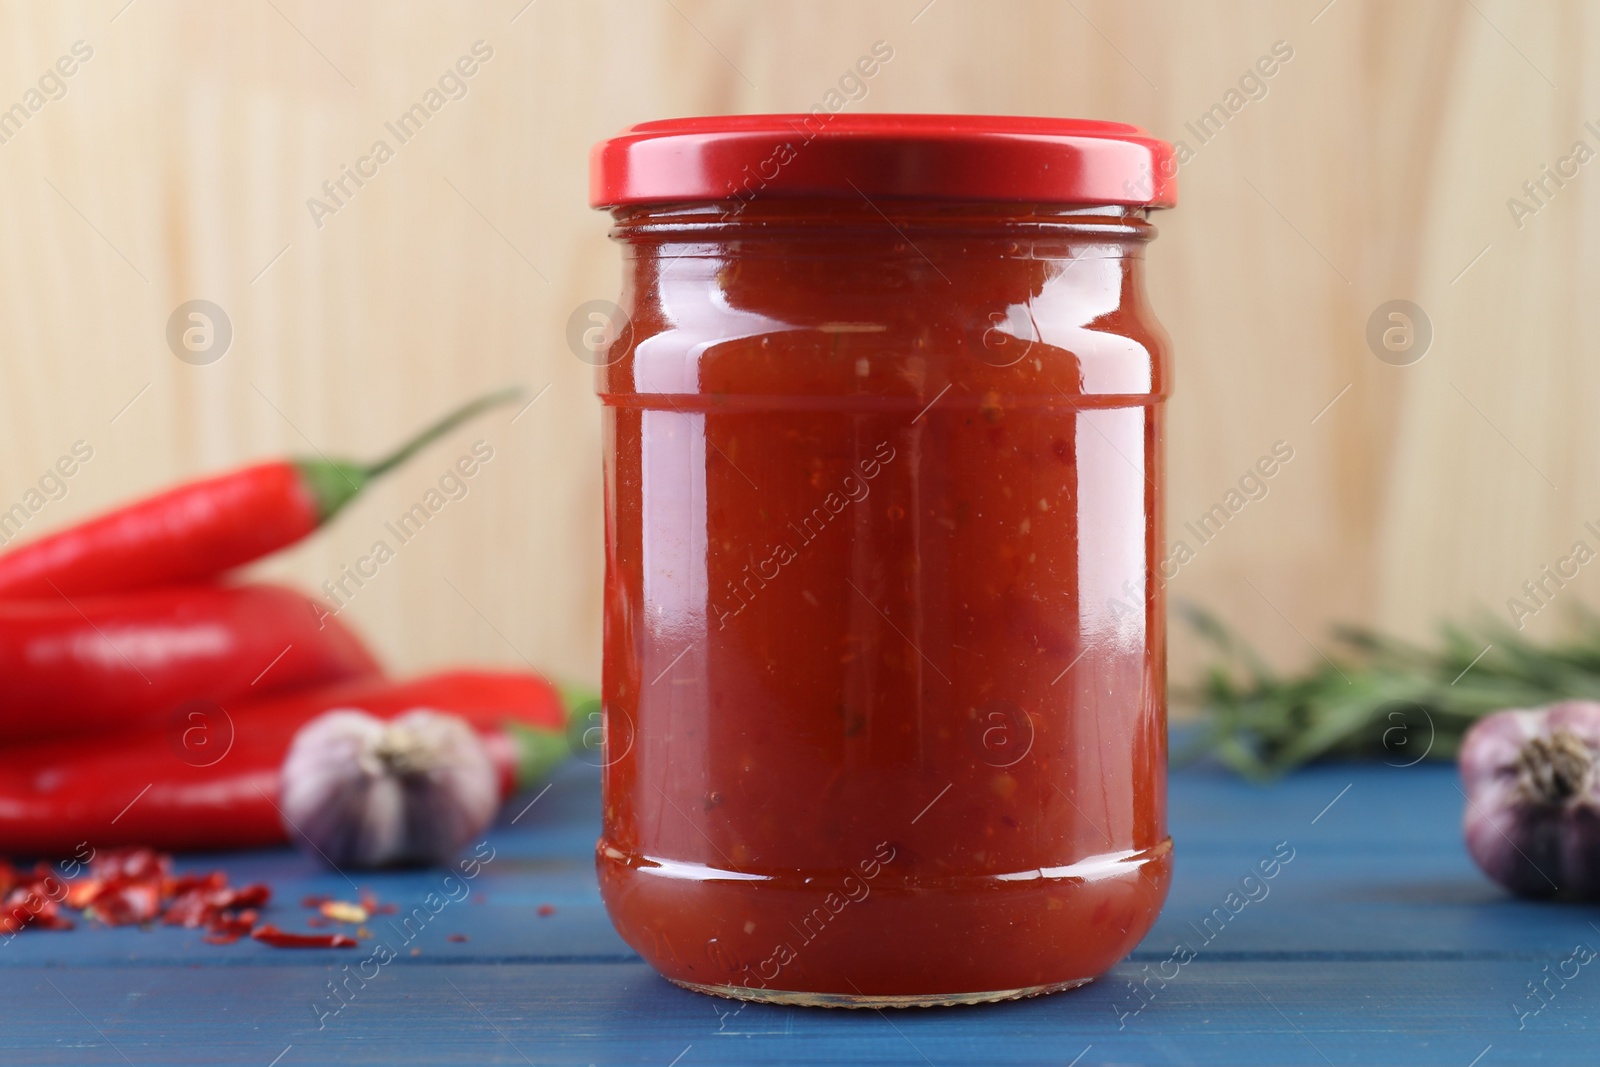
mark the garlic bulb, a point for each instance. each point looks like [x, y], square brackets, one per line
[368, 792]
[1532, 781]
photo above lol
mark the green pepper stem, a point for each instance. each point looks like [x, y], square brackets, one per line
[541, 749]
[334, 483]
[466, 411]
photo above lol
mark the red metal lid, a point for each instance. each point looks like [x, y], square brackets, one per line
[945, 157]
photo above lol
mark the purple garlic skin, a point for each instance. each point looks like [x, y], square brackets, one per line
[360, 791]
[1532, 779]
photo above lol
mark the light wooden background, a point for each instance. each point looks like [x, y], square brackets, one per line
[1377, 167]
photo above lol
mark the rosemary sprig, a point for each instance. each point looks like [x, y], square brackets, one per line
[1379, 696]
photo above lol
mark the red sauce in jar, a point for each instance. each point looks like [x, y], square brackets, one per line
[884, 652]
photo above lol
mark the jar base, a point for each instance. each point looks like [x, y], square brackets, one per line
[856, 1000]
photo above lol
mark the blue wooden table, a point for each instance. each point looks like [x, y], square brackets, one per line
[1377, 943]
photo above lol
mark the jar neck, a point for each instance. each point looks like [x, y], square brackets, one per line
[821, 218]
[840, 260]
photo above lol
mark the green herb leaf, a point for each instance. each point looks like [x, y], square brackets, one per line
[1379, 696]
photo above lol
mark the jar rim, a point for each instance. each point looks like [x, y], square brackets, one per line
[873, 155]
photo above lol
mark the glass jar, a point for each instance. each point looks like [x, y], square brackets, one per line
[884, 681]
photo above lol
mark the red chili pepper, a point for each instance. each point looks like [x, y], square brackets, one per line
[121, 663]
[271, 935]
[199, 530]
[140, 788]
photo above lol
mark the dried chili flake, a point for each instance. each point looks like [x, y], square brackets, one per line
[208, 903]
[81, 893]
[369, 900]
[136, 886]
[130, 863]
[126, 887]
[27, 905]
[191, 909]
[124, 903]
[225, 930]
[241, 923]
[184, 883]
[344, 912]
[250, 896]
[271, 935]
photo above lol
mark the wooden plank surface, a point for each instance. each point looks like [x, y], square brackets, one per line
[1378, 943]
[1377, 166]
